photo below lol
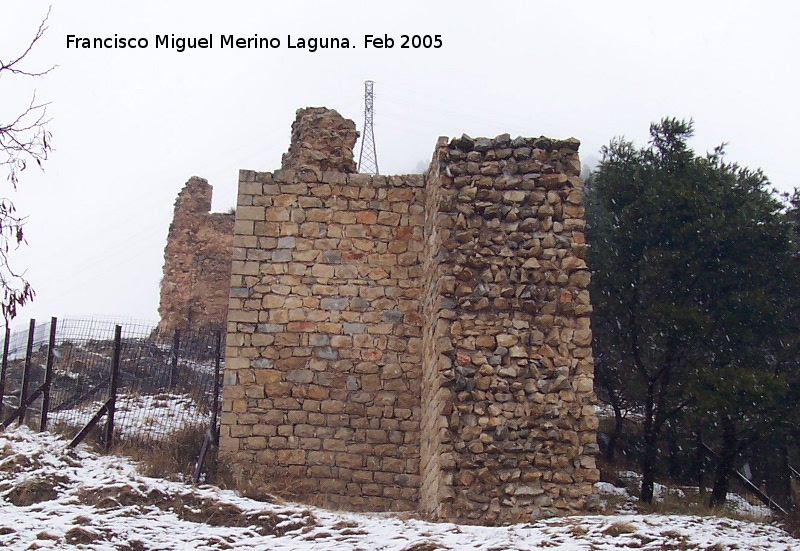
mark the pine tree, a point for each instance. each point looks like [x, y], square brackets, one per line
[691, 260]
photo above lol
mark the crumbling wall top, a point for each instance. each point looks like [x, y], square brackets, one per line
[321, 140]
[194, 198]
[197, 262]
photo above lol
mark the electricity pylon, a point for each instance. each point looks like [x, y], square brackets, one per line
[368, 158]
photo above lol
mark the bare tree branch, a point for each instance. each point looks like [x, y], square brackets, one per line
[23, 140]
[11, 66]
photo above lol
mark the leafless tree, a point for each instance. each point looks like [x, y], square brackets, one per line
[24, 140]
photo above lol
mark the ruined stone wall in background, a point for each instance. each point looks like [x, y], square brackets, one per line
[197, 263]
[414, 342]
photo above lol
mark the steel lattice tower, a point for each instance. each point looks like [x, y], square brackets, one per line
[368, 158]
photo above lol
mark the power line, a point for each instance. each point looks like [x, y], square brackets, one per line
[368, 158]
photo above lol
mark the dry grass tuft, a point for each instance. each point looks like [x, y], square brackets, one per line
[578, 531]
[6, 450]
[688, 503]
[425, 546]
[191, 508]
[792, 523]
[133, 545]
[620, 528]
[253, 482]
[691, 503]
[164, 459]
[180, 454]
[45, 536]
[343, 524]
[31, 492]
[81, 520]
[158, 459]
[261, 483]
[14, 463]
[81, 536]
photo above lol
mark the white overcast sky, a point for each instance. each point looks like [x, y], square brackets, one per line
[131, 126]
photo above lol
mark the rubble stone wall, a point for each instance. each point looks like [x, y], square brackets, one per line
[509, 412]
[197, 263]
[414, 342]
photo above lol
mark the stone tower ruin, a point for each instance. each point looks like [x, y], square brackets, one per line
[197, 263]
[414, 341]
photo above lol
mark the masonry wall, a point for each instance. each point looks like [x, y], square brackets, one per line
[435, 396]
[197, 263]
[414, 342]
[508, 423]
[324, 350]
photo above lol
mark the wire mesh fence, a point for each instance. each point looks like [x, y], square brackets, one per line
[148, 385]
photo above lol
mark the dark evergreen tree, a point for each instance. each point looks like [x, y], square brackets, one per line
[691, 262]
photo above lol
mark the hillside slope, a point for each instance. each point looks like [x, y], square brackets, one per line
[53, 499]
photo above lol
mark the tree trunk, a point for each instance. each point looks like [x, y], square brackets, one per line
[648, 475]
[648, 457]
[675, 466]
[616, 433]
[725, 464]
[701, 461]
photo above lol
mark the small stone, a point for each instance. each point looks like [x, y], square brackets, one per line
[508, 372]
[506, 340]
[334, 303]
[517, 196]
[527, 491]
[465, 143]
[584, 385]
[531, 263]
[582, 338]
[286, 242]
[327, 353]
[482, 144]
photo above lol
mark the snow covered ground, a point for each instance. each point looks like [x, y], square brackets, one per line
[156, 417]
[625, 501]
[51, 498]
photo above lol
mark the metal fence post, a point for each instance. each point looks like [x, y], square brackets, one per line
[112, 400]
[176, 343]
[23, 391]
[4, 367]
[48, 374]
[215, 406]
[211, 432]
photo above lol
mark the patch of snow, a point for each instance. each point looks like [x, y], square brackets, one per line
[608, 489]
[605, 410]
[157, 416]
[101, 503]
[660, 491]
[743, 507]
